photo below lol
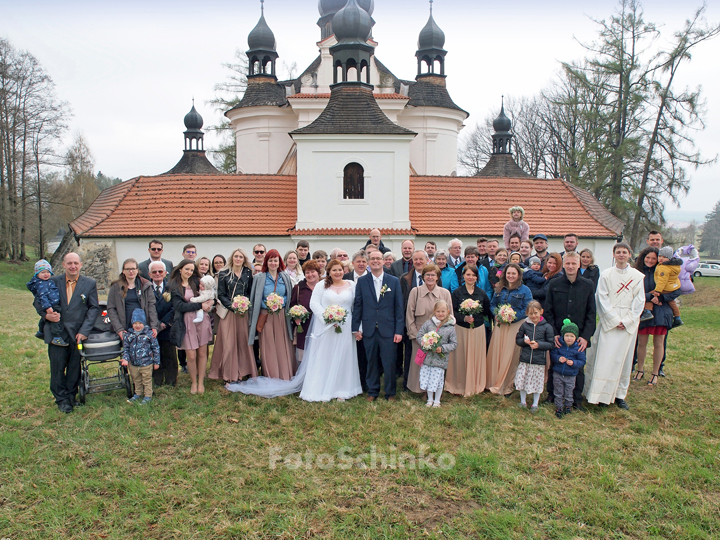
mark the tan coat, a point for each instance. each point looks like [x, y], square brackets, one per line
[421, 303]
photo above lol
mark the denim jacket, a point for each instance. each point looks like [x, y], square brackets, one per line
[517, 298]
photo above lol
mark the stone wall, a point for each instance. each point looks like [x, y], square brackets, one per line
[99, 258]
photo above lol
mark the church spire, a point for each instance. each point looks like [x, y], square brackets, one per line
[262, 48]
[502, 137]
[430, 48]
[352, 26]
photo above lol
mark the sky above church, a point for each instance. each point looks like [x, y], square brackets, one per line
[130, 69]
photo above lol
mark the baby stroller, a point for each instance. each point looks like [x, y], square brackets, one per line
[102, 345]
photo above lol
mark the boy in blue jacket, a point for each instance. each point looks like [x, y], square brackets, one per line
[141, 355]
[567, 360]
[48, 294]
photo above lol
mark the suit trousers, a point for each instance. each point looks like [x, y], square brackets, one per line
[577, 392]
[168, 371]
[362, 365]
[380, 351]
[64, 372]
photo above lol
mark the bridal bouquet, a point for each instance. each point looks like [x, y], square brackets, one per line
[336, 316]
[299, 313]
[240, 304]
[430, 342]
[470, 307]
[274, 302]
[505, 314]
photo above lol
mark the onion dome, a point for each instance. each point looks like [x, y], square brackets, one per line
[431, 37]
[331, 7]
[193, 120]
[352, 23]
[502, 123]
[261, 37]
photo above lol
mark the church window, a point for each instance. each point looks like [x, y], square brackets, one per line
[354, 181]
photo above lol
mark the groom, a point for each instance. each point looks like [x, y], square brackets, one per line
[379, 307]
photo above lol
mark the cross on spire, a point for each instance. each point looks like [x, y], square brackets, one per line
[262, 6]
[431, 3]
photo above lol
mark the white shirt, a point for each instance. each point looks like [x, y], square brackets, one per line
[377, 280]
[157, 287]
[418, 278]
[357, 276]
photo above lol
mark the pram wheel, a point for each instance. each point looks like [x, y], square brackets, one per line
[129, 387]
[84, 385]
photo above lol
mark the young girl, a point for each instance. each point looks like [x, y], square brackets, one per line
[207, 292]
[516, 225]
[432, 372]
[534, 337]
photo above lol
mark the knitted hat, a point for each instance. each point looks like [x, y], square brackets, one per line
[138, 316]
[517, 209]
[534, 260]
[666, 252]
[41, 266]
[569, 327]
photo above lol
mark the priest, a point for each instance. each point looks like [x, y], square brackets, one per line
[620, 299]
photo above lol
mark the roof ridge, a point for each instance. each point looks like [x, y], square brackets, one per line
[108, 191]
[573, 189]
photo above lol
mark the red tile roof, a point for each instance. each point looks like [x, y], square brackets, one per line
[394, 95]
[265, 205]
[193, 205]
[470, 206]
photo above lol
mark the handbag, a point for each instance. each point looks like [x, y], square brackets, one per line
[221, 310]
[421, 355]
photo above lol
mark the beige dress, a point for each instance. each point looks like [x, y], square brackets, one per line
[467, 372]
[233, 356]
[421, 303]
[503, 358]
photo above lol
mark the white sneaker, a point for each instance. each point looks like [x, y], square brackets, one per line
[436, 404]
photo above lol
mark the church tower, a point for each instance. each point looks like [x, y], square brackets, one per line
[194, 160]
[352, 161]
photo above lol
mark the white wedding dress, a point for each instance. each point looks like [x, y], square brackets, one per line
[330, 368]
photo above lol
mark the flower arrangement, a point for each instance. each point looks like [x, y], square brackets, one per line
[299, 314]
[505, 314]
[240, 304]
[470, 307]
[384, 289]
[274, 302]
[336, 316]
[430, 342]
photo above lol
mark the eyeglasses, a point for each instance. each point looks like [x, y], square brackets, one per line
[190, 252]
[130, 269]
[156, 249]
[259, 252]
[157, 271]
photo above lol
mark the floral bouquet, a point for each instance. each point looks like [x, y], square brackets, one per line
[470, 307]
[240, 304]
[430, 342]
[299, 313]
[274, 302]
[336, 316]
[505, 314]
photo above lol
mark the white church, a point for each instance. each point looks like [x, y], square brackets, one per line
[345, 147]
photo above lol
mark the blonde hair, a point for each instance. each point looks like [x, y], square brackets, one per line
[442, 303]
[534, 305]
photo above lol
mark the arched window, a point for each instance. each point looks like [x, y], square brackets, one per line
[353, 181]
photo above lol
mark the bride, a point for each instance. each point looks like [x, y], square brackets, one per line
[330, 368]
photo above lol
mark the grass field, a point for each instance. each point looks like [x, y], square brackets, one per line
[230, 466]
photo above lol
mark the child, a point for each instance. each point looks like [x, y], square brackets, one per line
[516, 225]
[48, 295]
[667, 281]
[432, 372]
[567, 361]
[535, 337]
[206, 292]
[141, 355]
[516, 258]
[533, 277]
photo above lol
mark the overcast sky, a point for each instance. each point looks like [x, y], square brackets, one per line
[130, 69]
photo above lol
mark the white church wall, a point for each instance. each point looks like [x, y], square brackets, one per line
[261, 134]
[434, 150]
[321, 162]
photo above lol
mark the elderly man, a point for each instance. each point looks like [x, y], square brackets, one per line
[404, 264]
[408, 281]
[168, 371]
[155, 248]
[455, 253]
[339, 254]
[571, 296]
[376, 240]
[79, 308]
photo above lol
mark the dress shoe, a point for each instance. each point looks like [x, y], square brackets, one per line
[75, 403]
[184, 369]
[579, 407]
[371, 398]
[622, 404]
[65, 407]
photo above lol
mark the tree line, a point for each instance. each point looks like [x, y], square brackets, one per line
[615, 122]
[42, 185]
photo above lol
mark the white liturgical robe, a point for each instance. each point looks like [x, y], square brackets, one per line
[620, 298]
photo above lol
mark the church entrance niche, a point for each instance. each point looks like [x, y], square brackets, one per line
[353, 181]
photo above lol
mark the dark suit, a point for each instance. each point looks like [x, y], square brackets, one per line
[76, 317]
[168, 370]
[381, 321]
[397, 268]
[407, 283]
[362, 357]
[144, 268]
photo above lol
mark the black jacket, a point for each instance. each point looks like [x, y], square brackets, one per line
[592, 273]
[381, 247]
[662, 314]
[574, 301]
[461, 294]
[230, 286]
[165, 312]
[181, 307]
[541, 332]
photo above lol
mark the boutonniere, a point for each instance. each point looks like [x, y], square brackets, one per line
[83, 298]
[384, 289]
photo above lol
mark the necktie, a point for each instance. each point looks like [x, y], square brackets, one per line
[70, 288]
[420, 280]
